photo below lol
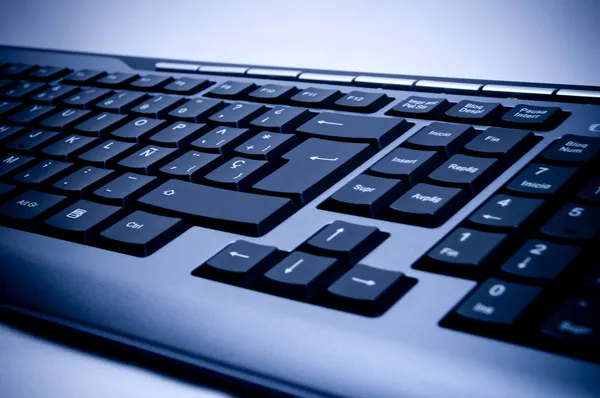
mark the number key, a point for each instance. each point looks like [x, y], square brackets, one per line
[574, 222]
[540, 179]
[506, 212]
[540, 260]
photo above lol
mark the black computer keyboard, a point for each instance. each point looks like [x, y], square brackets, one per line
[128, 162]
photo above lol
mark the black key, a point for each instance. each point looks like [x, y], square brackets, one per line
[178, 135]
[84, 76]
[540, 260]
[240, 263]
[150, 82]
[313, 97]
[101, 125]
[573, 149]
[10, 163]
[534, 117]
[267, 146]
[379, 131]
[506, 144]
[5, 83]
[221, 140]
[6, 107]
[186, 85]
[82, 221]
[465, 252]
[82, 181]
[157, 106]
[506, 212]
[365, 195]
[359, 101]
[68, 148]
[348, 242]
[590, 192]
[367, 290]
[239, 212]
[43, 173]
[467, 172]
[231, 89]
[592, 281]
[22, 90]
[6, 190]
[125, 189]
[538, 179]
[421, 107]
[273, 93]
[312, 167]
[239, 173]
[197, 110]
[16, 69]
[301, 276]
[499, 303]
[48, 73]
[65, 119]
[87, 97]
[427, 205]
[444, 137]
[577, 321]
[148, 159]
[475, 112]
[107, 153]
[410, 165]
[121, 102]
[142, 233]
[30, 114]
[9, 131]
[53, 94]
[191, 166]
[30, 206]
[117, 79]
[282, 119]
[32, 140]
[238, 114]
[138, 129]
[574, 222]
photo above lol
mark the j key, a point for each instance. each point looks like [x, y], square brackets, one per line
[506, 212]
[82, 181]
[68, 148]
[312, 167]
[107, 153]
[6, 190]
[348, 242]
[592, 281]
[427, 205]
[196, 110]
[573, 149]
[365, 195]
[231, 89]
[282, 119]
[221, 140]
[16, 69]
[84, 76]
[48, 73]
[178, 135]
[191, 166]
[467, 172]
[86, 98]
[43, 173]
[267, 146]
[465, 252]
[367, 290]
[82, 221]
[138, 129]
[186, 85]
[150, 82]
[239, 212]
[301, 276]
[576, 321]
[314, 97]
[65, 119]
[240, 263]
[32, 140]
[101, 125]
[30, 206]
[239, 173]
[506, 144]
[54, 94]
[30, 114]
[540, 260]
[157, 106]
[148, 160]
[407, 164]
[22, 90]
[475, 112]
[421, 107]
[574, 222]
[273, 93]
[359, 101]
[8, 131]
[124, 190]
[117, 79]
[590, 192]
[142, 233]
[499, 303]
[6, 107]
[121, 102]
[538, 179]
[238, 114]
[373, 130]
[444, 137]
[10, 163]
[535, 117]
